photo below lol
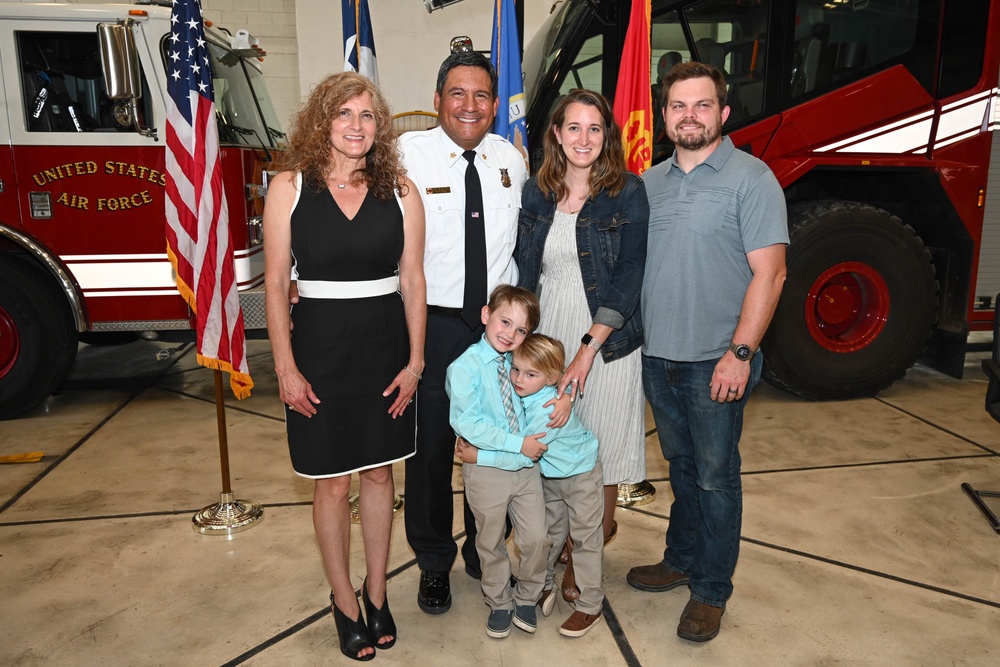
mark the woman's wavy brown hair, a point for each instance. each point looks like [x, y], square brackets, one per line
[607, 172]
[311, 152]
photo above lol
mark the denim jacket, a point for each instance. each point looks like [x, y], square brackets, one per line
[611, 237]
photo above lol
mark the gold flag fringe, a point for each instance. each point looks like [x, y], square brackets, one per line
[240, 383]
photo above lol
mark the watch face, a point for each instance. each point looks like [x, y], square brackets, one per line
[742, 352]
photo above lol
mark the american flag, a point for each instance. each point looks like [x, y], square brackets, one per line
[198, 241]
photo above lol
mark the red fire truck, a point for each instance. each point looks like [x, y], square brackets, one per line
[82, 234]
[878, 118]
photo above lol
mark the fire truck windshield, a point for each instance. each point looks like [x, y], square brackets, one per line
[242, 104]
[549, 42]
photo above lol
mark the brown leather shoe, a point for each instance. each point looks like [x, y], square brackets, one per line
[655, 578]
[699, 621]
[579, 624]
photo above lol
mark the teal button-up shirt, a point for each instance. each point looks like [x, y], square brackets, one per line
[477, 412]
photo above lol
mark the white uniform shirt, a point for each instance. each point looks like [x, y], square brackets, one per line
[435, 164]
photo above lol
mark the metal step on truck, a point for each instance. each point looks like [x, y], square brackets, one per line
[82, 160]
[878, 118]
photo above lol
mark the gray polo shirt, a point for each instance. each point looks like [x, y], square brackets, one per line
[701, 226]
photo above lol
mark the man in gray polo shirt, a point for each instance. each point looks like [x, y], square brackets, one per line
[714, 270]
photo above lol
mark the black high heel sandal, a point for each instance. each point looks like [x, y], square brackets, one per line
[380, 621]
[353, 634]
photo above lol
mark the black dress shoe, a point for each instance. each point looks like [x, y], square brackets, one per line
[434, 596]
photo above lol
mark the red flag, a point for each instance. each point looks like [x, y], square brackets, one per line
[198, 242]
[633, 101]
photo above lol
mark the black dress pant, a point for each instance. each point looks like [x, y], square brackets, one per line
[429, 514]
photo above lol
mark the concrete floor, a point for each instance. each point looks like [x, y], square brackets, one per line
[859, 547]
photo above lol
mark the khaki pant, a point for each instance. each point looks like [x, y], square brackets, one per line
[493, 495]
[575, 506]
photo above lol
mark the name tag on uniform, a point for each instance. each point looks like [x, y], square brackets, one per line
[438, 191]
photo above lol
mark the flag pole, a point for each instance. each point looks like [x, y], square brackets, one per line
[634, 114]
[228, 515]
[197, 228]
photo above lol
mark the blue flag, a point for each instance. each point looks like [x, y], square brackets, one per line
[505, 53]
[359, 42]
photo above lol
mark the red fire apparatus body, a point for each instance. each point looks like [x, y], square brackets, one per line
[82, 232]
[878, 118]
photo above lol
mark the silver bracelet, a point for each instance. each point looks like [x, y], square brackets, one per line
[407, 369]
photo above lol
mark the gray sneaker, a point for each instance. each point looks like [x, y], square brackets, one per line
[498, 623]
[525, 619]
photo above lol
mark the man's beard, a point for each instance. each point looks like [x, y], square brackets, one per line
[697, 141]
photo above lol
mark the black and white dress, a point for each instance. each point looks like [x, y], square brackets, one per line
[349, 349]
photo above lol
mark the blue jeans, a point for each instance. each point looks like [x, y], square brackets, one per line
[700, 438]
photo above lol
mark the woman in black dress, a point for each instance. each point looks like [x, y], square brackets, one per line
[346, 220]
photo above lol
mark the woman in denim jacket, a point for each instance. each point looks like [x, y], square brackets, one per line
[582, 248]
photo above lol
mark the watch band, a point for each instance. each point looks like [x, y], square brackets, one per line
[591, 342]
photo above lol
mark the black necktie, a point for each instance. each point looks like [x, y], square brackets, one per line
[475, 246]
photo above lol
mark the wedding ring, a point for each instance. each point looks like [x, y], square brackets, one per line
[732, 391]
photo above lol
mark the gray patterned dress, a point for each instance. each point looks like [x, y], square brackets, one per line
[612, 406]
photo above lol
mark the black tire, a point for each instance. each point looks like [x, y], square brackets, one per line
[858, 306]
[37, 339]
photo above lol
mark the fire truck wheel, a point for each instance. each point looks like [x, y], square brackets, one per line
[37, 339]
[858, 306]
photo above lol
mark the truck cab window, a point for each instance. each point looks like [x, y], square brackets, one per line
[837, 42]
[243, 111]
[732, 37]
[63, 86]
[729, 36]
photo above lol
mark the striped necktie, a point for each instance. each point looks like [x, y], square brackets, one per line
[508, 403]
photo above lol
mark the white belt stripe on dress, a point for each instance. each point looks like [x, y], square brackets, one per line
[347, 289]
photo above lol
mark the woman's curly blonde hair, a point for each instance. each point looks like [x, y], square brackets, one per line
[310, 150]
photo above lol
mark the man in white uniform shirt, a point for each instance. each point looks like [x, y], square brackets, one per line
[436, 160]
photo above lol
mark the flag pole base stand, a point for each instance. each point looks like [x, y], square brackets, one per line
[354, 500]
[976, 496]
[227, 516]
[630, 495]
